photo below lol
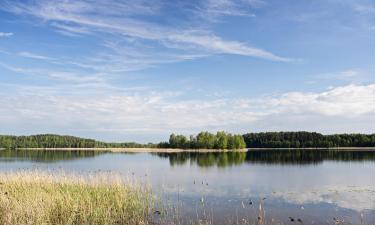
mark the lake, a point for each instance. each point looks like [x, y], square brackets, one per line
[313, 186]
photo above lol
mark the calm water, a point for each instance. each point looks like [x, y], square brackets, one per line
[315, 186]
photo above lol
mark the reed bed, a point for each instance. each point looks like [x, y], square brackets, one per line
[34, 197]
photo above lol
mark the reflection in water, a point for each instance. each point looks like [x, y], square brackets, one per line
[219, 159]
[355, 198]
[280, 157]
[44, 156]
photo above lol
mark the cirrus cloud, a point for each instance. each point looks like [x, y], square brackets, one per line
[128, 20]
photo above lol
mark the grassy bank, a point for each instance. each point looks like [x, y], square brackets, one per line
[40, 198]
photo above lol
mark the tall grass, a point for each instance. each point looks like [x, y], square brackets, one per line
[41, 198]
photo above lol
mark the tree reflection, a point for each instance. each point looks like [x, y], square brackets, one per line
[281, 157]
[45, 156]
[219, 159]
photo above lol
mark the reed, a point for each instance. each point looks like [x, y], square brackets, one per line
[41, 198]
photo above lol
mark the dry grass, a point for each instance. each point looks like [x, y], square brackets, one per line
[41, 198]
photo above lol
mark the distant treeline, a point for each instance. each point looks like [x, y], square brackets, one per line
[59, 141]
[205, 140]
[307, 140]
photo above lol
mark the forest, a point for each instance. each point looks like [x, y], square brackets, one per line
[60, 141]
[307, 140]
[203, 140]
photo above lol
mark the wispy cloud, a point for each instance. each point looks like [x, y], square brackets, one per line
[70, 30]
[217, 45]
[342, 75]
[5, 34]
[129, 20]
[362, 8]
[212, 9]
[65, 75]
[351, 76]
[34, 56]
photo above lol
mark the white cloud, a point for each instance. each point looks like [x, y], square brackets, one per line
[347, 101]
[4, 34]
[341, 109]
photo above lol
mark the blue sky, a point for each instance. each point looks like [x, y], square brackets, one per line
[139, 70]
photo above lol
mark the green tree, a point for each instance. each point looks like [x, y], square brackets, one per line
[221, 140]
[206, 140]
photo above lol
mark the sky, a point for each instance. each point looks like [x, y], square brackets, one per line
[138, 70]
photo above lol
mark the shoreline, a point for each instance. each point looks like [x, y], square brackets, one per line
[136, 150]
[177, 150]
[319, 149]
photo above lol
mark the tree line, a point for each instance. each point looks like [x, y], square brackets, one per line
[307, 140]
[205, 140]
[59, 141]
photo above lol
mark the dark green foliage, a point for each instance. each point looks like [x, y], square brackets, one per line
[307, 140]
[163, 145]
[178, 141]
[58, 141]
[206, 140]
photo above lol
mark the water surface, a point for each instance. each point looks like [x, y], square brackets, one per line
[314, 186]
